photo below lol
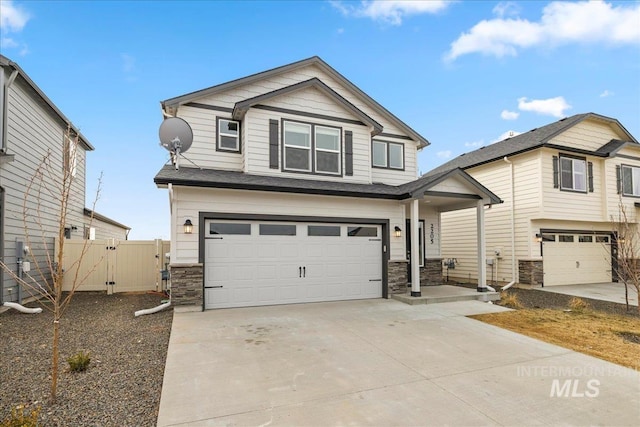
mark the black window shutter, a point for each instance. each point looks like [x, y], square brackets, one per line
[556, 173]
[273, 144]
[590, 176]
[348, 153]
[619, 179]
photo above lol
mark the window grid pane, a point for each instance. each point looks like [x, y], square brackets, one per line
[379, 154]
[297, 134]
[396, 160]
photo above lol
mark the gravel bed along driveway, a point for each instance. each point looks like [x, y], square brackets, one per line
[533, 298]
[123, 383]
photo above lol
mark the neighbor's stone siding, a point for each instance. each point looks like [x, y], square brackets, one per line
[397, 280]
[530, 272]
[186, 284]
[431, 273]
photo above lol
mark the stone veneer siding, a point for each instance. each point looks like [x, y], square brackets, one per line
[186, 284]
[397, 277]
[431, 273]
[530, 272]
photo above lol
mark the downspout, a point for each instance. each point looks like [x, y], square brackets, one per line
[513, 227]
[4, 101]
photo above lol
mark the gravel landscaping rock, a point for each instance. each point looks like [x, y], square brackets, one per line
[123, 383]
[533, 298]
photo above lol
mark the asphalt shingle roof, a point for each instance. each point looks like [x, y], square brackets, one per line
[213, 178]
[526, 141]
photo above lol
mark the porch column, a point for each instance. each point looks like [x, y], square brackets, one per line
[482, 261]
[415, 249]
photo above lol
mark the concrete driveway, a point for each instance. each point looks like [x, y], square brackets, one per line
[612, 291]
[383, 363]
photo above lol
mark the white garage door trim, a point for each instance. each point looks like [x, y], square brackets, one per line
[576, 257]
[269, 267]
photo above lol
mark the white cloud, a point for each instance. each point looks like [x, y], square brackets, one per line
[12, 18]
[474, 144]
[128, 62]
[8, 43]
[505, 135]
[12, 21]
[506, 8]
[445, 154]
[561, 23]
[606, 93]
[549, 107]
[340, 30]
[509, 115]
[390, 11]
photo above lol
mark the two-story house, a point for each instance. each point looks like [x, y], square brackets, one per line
[562, 185]
[301, 188]
[30, 127]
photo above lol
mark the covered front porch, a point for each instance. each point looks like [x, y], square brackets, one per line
[426, 199]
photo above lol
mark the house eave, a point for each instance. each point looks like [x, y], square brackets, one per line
[6, 62]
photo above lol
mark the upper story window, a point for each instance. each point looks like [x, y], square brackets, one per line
[388, 155]
[630, 181]
[228, 135]
[572, 174]
[311, 148]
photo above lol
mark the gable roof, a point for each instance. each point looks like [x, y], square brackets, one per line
[213, 178]
[314, 60]
[241, 107]
[6, 62]
[527, 141]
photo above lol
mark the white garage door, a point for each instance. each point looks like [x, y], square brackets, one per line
[255, 263]
[576, 259]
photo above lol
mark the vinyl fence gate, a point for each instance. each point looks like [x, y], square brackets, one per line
[115, 265]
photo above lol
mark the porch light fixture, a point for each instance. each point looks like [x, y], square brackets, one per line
[538, 238]
[398, 231]
[621, 240]
[188, 227]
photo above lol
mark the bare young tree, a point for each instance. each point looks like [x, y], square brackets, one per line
[45, 211]
[628, 245]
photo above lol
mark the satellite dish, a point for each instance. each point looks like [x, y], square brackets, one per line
[176, 136]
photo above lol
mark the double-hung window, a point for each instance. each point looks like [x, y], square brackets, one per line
[630, 181]
[228, 135]
[387, 155]
[311, 148]
[573, 174]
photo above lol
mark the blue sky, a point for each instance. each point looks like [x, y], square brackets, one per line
[460, 73]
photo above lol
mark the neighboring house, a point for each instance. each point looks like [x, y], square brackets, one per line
[299, 187]
[562, 185]
[30, 126]
[102, 227]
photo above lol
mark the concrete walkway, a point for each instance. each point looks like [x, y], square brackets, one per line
[381, 363]
[613, 292]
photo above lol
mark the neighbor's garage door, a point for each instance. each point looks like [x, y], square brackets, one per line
[264, 263]
[570, 259]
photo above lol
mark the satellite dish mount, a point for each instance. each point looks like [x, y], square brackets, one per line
[176, 137]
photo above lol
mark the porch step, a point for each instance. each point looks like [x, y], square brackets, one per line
[446, 293]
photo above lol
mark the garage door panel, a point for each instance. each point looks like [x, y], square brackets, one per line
[267, 269]
[577, 262]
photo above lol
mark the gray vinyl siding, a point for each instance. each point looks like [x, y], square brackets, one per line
[32, 131]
